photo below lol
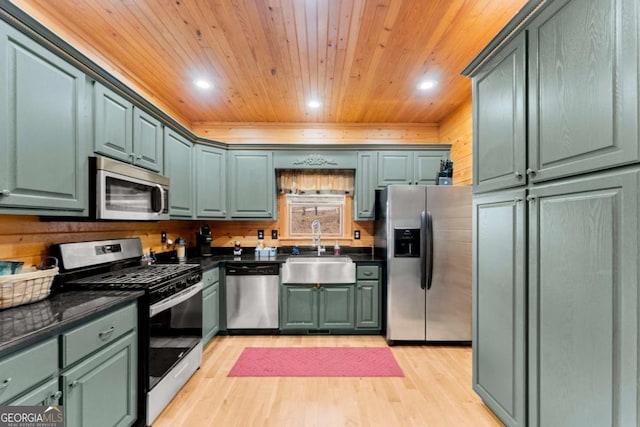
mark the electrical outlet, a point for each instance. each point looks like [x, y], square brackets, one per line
[274, 234]
[260, 234]
[163, 237]
[356, 235]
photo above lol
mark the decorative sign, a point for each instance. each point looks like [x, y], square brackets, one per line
[315, 160]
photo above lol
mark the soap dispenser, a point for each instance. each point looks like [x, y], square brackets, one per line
[336, 248]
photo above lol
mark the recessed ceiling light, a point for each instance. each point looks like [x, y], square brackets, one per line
[314, 103]
[203, 84]
[427, 84]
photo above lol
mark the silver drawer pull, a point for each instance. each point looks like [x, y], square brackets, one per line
[5, 383]
[74, 384]
[105, 334]
[368, 273]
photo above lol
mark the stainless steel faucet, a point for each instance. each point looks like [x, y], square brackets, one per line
[316, 233]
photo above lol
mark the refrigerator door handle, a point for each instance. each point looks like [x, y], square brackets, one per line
[423, 250]
[429, 227]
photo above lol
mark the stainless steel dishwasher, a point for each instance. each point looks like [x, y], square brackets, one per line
[252, 296]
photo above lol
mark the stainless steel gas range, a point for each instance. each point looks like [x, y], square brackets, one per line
[170, 321]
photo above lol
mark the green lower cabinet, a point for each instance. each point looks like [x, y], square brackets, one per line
[367, 304]
[101, 390]
[298, 307]
[336, 307]
[499, 303]
[48, 394]
[583, 301]
[210, 312]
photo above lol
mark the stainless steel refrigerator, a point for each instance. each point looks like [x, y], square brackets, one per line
[424, 232]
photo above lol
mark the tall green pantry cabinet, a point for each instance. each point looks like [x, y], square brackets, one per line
[555, 248]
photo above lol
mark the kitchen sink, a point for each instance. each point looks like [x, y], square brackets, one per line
[319, 270]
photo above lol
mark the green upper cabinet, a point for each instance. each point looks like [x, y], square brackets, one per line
[366, 182]
[44, 140]
[178, 162]
[125, 132]
[113, 124]
[211, 182]
[409, 167]
[499, 303]
[499, 119]
[147, 141]
[583, 301]
[583, 87]
[251, 184]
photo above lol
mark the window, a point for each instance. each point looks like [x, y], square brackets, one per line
[328, 209]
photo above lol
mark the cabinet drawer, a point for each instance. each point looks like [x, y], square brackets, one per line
[209, 277]
[86, 339]
[367, 272]
[22, 370]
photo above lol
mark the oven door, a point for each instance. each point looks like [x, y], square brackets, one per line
[175, 328]
[122, 197]
[175, 349]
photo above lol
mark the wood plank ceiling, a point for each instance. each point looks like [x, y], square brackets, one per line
[361, 58]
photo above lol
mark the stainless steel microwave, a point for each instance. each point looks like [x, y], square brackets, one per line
[124, 192]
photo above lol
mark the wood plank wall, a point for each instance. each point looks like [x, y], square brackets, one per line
[319, 133]
[456, 129]
[26, 238]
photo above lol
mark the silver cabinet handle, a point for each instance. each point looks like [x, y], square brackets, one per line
[517, 199]
[5, 383]
[531, 172]
[518, 175]
[74, 384]
[367, 273]
[5, 193]
[139, 157]
[531, 198]
[105, 334]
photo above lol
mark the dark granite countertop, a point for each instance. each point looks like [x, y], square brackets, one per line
[224, 255]
[23, 325]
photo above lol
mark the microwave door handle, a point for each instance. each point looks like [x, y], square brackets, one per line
[162, 199]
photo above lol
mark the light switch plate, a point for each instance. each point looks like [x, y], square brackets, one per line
[260, 234]
[274, 234]
[163, 237]
[356, 235]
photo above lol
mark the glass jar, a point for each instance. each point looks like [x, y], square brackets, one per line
[181, 249]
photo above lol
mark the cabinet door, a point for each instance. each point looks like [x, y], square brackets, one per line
[583, 302]
[499, 304]
[499, 119]
[337, 307]
[427, 165]
[48, 394]
[365, 192]
[112, 124]
[251, 184]
[299, 307]
[367, 304]
[395, 167]
[178, 167]
[583, 87]
[210, 312]
[147, 141]
[102, 389]
[211, 182]
[43, 129]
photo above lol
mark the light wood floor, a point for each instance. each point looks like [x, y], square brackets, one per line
[436, 390]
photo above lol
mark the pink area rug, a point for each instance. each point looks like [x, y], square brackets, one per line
[316, 362]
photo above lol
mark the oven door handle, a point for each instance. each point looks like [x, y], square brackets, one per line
[174, 299]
